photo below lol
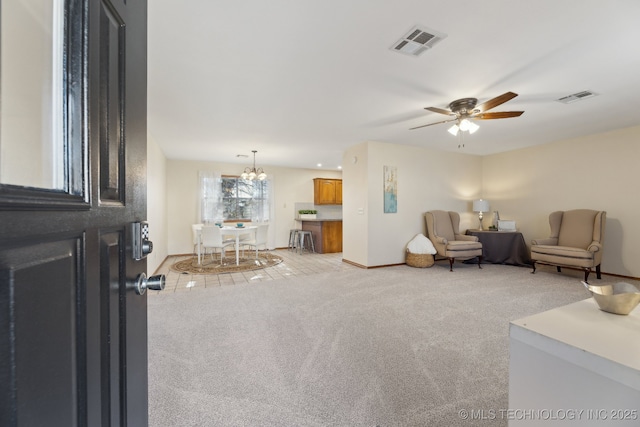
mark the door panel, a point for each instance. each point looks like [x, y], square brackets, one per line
[113, 294]
[41, 305]
[112, 44]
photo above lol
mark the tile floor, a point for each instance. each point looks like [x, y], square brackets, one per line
[293, 265]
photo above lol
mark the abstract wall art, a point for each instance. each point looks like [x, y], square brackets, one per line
[390, 189]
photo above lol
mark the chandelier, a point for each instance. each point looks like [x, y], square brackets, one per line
[253, 173]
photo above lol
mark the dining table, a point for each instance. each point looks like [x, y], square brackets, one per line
[236, 232]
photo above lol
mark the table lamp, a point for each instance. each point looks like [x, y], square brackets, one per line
[480, 206]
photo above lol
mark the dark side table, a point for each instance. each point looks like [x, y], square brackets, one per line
[502, 247]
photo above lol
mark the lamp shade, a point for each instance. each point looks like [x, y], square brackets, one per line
[481, 205]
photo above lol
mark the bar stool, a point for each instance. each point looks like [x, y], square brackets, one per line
[293, 237]
[309, 235]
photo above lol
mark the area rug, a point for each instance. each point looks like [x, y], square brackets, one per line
[213, 266]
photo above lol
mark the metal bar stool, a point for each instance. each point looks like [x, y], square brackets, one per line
[302, 234]
[293, 237]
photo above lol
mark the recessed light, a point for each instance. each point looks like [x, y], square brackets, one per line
[339, 167]
[319, 165]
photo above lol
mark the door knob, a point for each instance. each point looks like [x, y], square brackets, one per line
[155, 283]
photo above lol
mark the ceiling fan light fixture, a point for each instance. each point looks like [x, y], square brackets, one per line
[464, 126]
[466, 110]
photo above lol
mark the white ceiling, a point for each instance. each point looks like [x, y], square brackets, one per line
[302, 80]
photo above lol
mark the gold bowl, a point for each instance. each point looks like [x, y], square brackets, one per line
[619, 298]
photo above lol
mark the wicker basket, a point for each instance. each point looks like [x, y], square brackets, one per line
[419, 260]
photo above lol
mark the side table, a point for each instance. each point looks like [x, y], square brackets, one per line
[502, 247]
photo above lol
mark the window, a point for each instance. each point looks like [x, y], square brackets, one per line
[231, 198]
[244, 200]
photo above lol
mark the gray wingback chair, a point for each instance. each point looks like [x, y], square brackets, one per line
[575, 241]
[443, 231]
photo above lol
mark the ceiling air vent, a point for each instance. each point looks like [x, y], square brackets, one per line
[576, 97]
[417, 40]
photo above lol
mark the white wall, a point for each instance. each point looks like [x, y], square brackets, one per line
[355, 204]
[427, 180]
[594, 172]
[156, 204]
[290, 186]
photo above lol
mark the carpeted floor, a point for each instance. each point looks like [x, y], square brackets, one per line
[395, 346]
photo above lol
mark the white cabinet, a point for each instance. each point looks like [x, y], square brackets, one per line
[575, 366]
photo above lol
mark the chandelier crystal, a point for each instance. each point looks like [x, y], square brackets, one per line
[253, 173]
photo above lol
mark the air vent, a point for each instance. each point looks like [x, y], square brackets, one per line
[577, 97]
[417, 40]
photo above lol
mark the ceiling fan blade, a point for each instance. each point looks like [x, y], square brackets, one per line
[492, 103]
[436, 123]
[440, 110]
[497, 115]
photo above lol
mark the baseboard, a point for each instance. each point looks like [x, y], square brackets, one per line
[619, 275]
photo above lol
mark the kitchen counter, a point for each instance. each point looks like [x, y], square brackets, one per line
[327, 234]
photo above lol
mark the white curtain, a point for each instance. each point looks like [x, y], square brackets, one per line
[210, 197]
[264, 211]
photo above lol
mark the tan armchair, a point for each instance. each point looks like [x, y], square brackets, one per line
[576, 241]
[443, 231]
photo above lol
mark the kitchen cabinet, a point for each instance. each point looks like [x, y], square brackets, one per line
[327, 191]
[327, 235]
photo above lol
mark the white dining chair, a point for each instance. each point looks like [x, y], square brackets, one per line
[259, 238]
[195, 231]
[211, 238]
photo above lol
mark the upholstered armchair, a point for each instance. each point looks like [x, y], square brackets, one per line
[575, 241]
[443, 229]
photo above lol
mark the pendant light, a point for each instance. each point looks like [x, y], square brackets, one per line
[253, 173]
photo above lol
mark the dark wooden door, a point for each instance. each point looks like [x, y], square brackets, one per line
[73, 332]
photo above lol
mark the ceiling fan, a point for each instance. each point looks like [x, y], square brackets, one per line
[465, 109]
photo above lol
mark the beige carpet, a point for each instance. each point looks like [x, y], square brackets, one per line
[211, 265]
[397, 346]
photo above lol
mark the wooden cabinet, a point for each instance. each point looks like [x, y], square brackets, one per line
[327, 235]
[327, 191]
